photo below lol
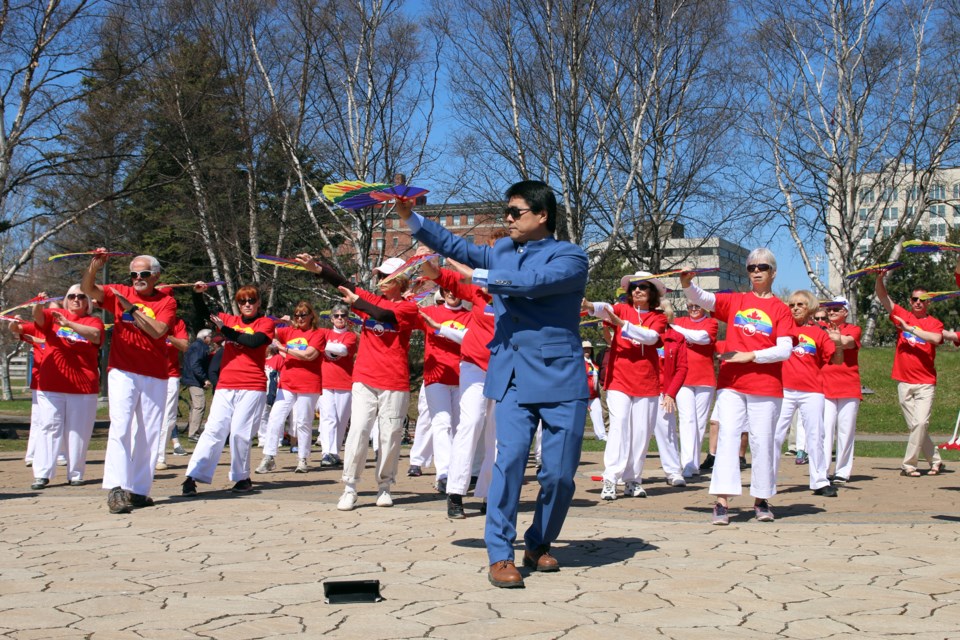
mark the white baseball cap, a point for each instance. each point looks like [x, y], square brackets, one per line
[390, 265]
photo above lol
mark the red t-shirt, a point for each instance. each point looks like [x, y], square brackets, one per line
[480, 323]
[700, 367]
[301, 376]
[753, 323]
[843, 380]
[382, 356]
[441, 357]
[242, 367]
[131, 349]
[179, 330]
[71, 363]
[338, 371]
[39, 347]
[811, 352]
[634, 368]
[913, 361]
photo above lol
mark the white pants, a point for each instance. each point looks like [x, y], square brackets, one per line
[370, 406]
[810, 407]
[596, 419]
[303, 406]
[840, 415]
[476, 423]
[665, 432]
[234, 414]
[136, 418]
[64, 420]
[758, 415]
[443, 402]
[334, 406]
[421, 452]
[632, 420]
[169, 417]
[693, 405]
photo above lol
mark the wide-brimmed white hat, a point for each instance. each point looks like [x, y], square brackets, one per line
[586, 345]
[626, 280]
[390, 265]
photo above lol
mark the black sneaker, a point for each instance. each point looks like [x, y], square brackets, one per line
[138, 501]
[39, 483]
[455, 507]
[442, 485]
[743, 463]
[189, 487]
[195, 438]
[473, 483]
[829, 491]
[118, 501]
[707, 463]
[414, 471]
[244, 486]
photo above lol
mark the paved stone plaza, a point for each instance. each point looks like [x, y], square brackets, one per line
[880, 561]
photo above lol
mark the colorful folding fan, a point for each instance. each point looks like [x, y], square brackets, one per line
[882, 267]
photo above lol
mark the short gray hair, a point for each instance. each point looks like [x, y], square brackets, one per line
[154, 263]
[203, 334]
[762, 255]
[340, 307]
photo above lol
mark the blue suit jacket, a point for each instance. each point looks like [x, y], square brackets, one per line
[537, 289]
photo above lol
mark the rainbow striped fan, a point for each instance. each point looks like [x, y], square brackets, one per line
[354, 194]
[882, 267]
[215, 283]
[937, 296]
[109, 254]
[928, 246]
[409, 266]
[276, 261]
[30, 302]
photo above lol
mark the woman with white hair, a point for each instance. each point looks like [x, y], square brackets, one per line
[803, 387]
[335, 400]
[750, 385]
[68, 383]
[632, 381]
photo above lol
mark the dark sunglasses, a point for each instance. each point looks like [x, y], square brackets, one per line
[836, 310]
[243, 301]
[140, 274]
[305, 314]
[76, 296]
[757, 267]
[916, 299]
[819, 318]
[797, 304]
[339, 315]
[515, 212]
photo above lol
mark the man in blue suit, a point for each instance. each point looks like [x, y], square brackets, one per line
[536, 370]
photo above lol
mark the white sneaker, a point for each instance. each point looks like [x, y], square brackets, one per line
[301, 466]
[160, 466]
[266, 465]
[347, 501]
[61, 461]
[634, 490]
[676, 481]
[28, 462]
[609, 491]
[384, 499]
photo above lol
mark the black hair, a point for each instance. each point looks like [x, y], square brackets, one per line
[539, 197]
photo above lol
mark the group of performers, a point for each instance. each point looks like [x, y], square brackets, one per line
[659, 380]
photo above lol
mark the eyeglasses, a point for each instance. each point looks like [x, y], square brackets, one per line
[243, 301]
[797, 304]
[339, 315]
[305, 314]
[693, 307]
[140, 274]
[515, 212]
[757, 267]
[837, 310]
[645, 286]
[819, 318]
[916, 299]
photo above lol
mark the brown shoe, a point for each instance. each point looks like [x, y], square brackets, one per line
[540, 560]
[504, 574]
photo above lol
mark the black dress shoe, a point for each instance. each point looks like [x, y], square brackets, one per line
[829, 491]
[455, 507]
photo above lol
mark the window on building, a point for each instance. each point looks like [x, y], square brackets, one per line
[471, 219]
[890, 193]
[909, 212]
[864, 213]
[396, 242]
[938, 211]
[888, 230]
[871, 232]
[938, 192]
[956, 190]
[891, 213]
[866, 196]
[379, 244]
[938, 229]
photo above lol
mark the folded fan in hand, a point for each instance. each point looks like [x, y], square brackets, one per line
[109, 254]
[276, 261]
[215, 283]
[928, 246]
[937, 296]
[31, 301]
[882, 267]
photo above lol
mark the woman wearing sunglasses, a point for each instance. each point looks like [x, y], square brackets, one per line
[750, 384]
[68, 381]
[381, 374]
[241, 391]
[299, 388]
[335, 401]
[803, 388]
